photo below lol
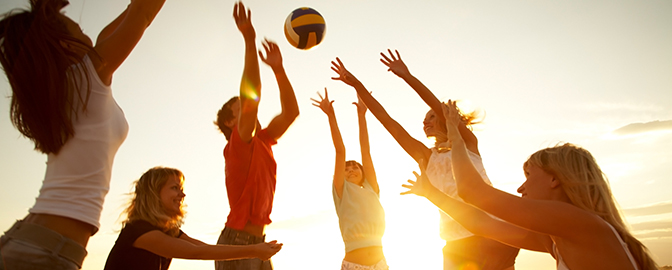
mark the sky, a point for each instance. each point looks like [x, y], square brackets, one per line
[594, 73]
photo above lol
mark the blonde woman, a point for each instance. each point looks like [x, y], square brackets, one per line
[566, 208]
[151, 234]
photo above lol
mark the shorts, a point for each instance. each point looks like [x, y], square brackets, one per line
[30, 246]
[381, 265]
[235, 237]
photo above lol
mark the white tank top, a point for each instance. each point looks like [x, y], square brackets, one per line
[440, 174]
[563, 266]
[78, 177]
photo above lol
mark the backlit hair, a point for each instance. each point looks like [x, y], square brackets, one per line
[146, 202]
[224, 115]
[49, 82]
[586, 186]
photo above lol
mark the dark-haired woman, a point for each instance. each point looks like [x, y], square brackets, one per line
[356, 196]
[62, 101]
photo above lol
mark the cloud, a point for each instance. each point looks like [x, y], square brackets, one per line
[652, 225]
[639, 128]
[648, 210]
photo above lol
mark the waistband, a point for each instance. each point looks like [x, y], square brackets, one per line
[48, 240]
[247, 237]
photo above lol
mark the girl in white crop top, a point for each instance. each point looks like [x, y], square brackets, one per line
[566, 207]
[356, 196]
[62, 101]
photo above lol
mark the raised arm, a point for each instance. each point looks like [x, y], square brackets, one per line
[413, 147]
[474, 219]
[339, 167]
[399, 68]
[118, 39]
[367, 162]
[543, 216]
[164, 245]
[290, 108]
[250, 84]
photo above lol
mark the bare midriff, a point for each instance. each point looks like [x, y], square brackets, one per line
[76, 230]
[253, 229]
[365, 256]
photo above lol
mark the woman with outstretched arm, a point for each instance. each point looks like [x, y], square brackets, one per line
[566, 208]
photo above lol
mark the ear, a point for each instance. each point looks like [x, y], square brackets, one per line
[230, 123]
[554, 182]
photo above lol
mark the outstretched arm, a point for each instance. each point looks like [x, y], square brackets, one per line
[184, 247]
[543, 216]
[290, 108]
[367, 162]
[413, 147]
[118, 39]
[250, 84]
[474, 219]
[398, 67]
[339, 167]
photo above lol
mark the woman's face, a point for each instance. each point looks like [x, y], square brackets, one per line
[353, 174]
[538, 183]
[429, 124]
[172, 195]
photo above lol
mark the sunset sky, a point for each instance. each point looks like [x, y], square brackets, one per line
[593, 73]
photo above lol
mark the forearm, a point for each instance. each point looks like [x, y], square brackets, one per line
[250, 84]
[470, 217]
[290, 107]
[468, 180]
[425, 94]
[364, 138]
[336, 135]
[221, 252]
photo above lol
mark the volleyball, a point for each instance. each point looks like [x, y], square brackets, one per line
[304, 28]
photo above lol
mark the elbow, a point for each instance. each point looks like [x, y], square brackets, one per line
[466, 193]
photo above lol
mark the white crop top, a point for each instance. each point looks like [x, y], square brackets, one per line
[440, 174]
[78, 177]
[360, 216]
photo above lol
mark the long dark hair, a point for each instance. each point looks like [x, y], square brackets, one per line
[48, 80]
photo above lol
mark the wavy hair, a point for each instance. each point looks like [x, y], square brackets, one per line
[49, 83]
[146, 202]
[587, 187]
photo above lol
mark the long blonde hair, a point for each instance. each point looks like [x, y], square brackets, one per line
[146, 202]
[587, 187]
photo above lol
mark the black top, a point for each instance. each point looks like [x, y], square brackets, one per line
[124, 256]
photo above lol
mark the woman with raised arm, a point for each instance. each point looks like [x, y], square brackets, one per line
[566, 208]
[356, 196]
[151, 235]
[62, 101]
[462, 247]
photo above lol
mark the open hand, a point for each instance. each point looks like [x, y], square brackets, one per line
[324, 103]
[343, 74]
[395, 64]
[361, 107]
[421, 186]
[453, 119]
[243, 18]
[273, 57]
[266, 250]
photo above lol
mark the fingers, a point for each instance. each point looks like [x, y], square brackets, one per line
[391, 55]
[326, 94]
[398, 55]
[416, 175]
